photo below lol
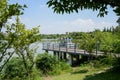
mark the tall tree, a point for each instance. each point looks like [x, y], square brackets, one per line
[8, 10]
[88, 43]
[69, 6]
[7, 38]
[23, 39]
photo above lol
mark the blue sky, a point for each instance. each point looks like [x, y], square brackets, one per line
[38, 13]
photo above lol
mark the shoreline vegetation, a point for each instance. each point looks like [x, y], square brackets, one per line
[87, 72]
[19, 60]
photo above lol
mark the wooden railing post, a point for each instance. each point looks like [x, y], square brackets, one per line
[75, 48]
[66, 47]
[47, 46]
[59, 46]
[43, 45]
[84, 51]
[53, 46]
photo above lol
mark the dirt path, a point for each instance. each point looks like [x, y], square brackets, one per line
[47, 78]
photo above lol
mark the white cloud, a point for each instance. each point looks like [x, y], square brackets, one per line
[81, 22]
[43, 6]
[76, 25]
[83, 25]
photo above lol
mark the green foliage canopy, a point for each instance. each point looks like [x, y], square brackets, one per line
[23, 38]
[19, 39]
[8, 10]
[69, 6]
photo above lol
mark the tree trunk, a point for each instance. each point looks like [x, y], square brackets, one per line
[1, 26]
[28, 75]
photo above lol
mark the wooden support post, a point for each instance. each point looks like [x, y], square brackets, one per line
[84, 58]
[54, 53]
[77, 58]
[58, 55]
[46, 51]
[71, 56]
[64, 56]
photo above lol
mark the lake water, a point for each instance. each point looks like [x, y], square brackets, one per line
[38, 47]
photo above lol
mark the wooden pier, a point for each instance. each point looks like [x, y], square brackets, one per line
[61, 50]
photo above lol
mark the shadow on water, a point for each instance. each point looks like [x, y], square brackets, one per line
[108, 75]
[80, 71]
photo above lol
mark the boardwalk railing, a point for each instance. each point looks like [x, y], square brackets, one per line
[71, 48]
[63, 47]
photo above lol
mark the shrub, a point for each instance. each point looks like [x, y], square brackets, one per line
[65, 67]
[46, 63]
[36, 75]
[14, 70]
[116, 65]
[108, 60]
[50, 65]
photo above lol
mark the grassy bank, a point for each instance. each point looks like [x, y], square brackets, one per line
[87, 73]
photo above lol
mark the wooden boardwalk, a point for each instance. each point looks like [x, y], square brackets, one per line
[70, 48]
[76, 55]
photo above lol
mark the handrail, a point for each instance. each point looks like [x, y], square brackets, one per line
[59, 45]
[65, 47]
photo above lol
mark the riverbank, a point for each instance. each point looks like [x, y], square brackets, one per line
[87, 73]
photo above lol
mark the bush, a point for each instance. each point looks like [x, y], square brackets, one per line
[14, 70]
[108, 60]
[100, 62]
[36, 75]
[61, 67]
[116, 65]
[46, 63]
[49, 65]
[65, 67]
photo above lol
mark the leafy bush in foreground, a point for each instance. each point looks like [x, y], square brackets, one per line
[50, 65]
[15, 70]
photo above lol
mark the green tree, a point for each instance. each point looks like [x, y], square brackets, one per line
[107, 42]
[69, 6]
[6, 51]
[7, 11]
[88, 43]
[116, 46]
[19, 39]
[22, 41]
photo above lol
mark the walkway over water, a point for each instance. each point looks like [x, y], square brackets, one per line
[63, 50]
[70, 48]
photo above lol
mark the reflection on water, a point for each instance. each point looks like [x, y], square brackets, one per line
[38, 47]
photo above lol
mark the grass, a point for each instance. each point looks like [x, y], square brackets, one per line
[87, 73]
